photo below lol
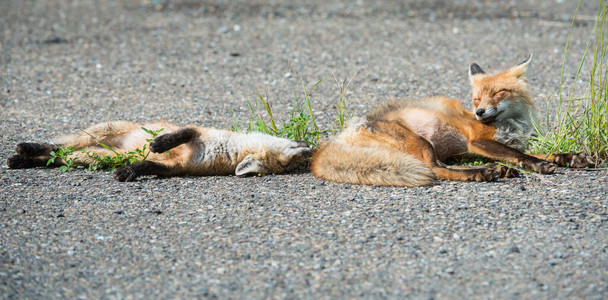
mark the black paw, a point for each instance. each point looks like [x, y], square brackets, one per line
[510, 173]
[306, 153]
[541, 166]
[574, 160]
[488, 174]
[505, 172]
[162, 143]
[299, 150]
[18, 162]
[32, 149]
[125, 174]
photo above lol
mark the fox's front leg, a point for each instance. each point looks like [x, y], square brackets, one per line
[499, 151]
[171, 140]
[571, 160]
[141, 168]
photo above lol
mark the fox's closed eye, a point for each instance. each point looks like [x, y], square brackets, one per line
[500, 93]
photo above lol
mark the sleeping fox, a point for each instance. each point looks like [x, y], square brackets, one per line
[406, 143]
[186, 150]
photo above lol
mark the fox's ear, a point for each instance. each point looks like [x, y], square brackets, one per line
[520, 69]
[475, 69]
[250, 166]
[526, 61]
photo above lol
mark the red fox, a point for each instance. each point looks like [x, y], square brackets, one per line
[186, 150]
[406, 143]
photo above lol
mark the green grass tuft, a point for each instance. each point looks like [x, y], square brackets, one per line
[342, 113]
[301, 124]
[583, 125]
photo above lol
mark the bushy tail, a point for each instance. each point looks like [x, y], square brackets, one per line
[369, 165]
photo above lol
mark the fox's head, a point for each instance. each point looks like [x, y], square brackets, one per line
[271, 155]
[501, 96]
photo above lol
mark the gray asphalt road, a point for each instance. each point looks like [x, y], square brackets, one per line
[69, 64]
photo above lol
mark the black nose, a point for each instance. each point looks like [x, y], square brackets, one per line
[480, 112]
[306, 153]
[302, 144]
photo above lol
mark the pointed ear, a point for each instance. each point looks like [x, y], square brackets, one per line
[475, 69]
[520, 69]
[249, 166]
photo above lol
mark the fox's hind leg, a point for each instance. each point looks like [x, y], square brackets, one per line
[467, 174]
[171, 140]
[35, 149]
[400, 136]
[23, 162]
[110, 133]
[88, 156]
[503, 171]
[31, 155]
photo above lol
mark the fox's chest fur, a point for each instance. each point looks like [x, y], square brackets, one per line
[515, 130]
[215, 152]
[220, 151]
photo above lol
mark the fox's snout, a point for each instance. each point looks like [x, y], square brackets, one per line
[487, 114]
[306, 153]
[305, 150]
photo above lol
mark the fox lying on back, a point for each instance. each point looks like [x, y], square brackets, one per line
[405, 143]
[186, 150]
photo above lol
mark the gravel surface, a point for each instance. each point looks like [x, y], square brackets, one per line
[69, 64]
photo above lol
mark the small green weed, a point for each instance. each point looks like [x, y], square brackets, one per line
[63, 153]
[100, 162]
[582, 127]
[469, 160]
[342, 113]
[300, 126]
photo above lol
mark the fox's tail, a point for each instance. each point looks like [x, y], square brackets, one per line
[343, 162]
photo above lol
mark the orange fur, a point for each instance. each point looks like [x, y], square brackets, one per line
[405, 143]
